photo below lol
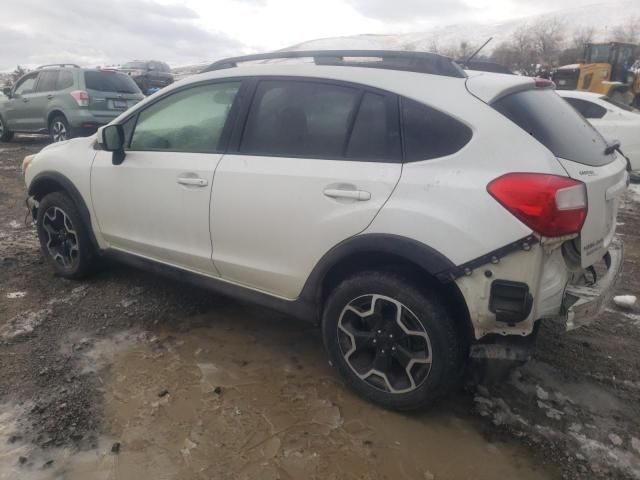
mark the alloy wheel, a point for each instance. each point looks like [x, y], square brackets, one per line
[59, 131]
[384, 343]
[62, 239]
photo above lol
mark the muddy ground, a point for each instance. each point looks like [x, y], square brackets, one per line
[131, 376]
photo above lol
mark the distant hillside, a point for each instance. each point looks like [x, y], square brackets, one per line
[604, 17]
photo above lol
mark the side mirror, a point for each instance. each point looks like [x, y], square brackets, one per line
[113, 141]
[7, 91]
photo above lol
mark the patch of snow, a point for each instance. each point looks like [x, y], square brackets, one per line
[16, 294]
[625, 301]
[24, 323]
[541, 393]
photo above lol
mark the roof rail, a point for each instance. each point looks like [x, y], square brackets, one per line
[58, 65]
[420, 62]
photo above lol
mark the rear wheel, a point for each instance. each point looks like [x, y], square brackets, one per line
[5, 134]
[64, 238]
[392, 342]
[59, 129]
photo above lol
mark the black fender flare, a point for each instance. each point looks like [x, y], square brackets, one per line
[46, 181]
[418, 253]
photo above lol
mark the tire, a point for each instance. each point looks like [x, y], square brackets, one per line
[64, 238]
[433, 337]
[5, 134]
[59, 129]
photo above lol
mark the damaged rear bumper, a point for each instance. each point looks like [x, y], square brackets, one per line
[582, 304]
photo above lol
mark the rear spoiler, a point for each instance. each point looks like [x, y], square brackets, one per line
[490, 87]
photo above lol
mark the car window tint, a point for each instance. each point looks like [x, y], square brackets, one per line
[586, 108]
[26, 86]
[187, 121]
[65, 80]
[47, 81]
[299, 118]
[544, 115]
[376, 131]
[429, 133]
[109, 81]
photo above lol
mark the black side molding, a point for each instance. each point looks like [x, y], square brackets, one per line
[296, 308]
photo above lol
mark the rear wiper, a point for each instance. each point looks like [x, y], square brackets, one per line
[612, 147]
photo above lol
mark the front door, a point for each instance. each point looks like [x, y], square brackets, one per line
[156, 203]
[316, 162]
[18, 108]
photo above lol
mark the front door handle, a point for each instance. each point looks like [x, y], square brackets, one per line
[359, 195]
[49, 97]
[191, 181]
[25, 100]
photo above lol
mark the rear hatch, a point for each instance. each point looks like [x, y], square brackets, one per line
[110, 92]
[583, 153]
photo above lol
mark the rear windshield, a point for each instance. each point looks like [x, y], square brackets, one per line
[110, 82]
[621, 105]
[555, 124]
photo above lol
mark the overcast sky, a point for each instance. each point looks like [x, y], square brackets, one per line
[95, 32]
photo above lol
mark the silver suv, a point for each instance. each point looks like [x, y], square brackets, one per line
[64, 101]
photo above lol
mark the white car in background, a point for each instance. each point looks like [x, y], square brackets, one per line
[615, 121]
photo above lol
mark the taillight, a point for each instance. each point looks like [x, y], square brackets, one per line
[550, 205]
[81, 97]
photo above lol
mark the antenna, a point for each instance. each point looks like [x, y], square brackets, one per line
[473, 55]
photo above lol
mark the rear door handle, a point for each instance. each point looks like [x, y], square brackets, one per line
[360, 195]
[25, 100]
[49, 97]
[195, 182]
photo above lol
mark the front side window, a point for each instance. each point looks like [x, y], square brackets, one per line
[586, 108]
[191, 120]
[299, 118]
[47, 81]
[429, 133]
[26, 85]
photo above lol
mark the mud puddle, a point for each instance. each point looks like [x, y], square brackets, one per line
[255, 399]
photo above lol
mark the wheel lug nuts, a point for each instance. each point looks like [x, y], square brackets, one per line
[375, 341]
[391, 335]
[393, 349]
[379, 332]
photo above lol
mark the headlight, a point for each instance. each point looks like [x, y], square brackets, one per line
[27, 161]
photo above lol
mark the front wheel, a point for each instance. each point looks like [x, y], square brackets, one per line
[392, 341]
[64, 238]
[5, 134]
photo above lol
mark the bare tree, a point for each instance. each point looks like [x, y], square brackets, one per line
[518, 53]
[548, 35]
[628, 32]
[17, 73]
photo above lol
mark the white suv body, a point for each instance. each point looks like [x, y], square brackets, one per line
[333, 179]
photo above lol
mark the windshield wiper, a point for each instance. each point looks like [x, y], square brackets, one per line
[612, 147]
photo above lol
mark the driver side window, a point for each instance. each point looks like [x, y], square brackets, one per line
[27, 85]
[191, 120]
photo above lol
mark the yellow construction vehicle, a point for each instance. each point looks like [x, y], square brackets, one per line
[612, 69]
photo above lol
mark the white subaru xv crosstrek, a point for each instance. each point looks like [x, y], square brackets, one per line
[420, 214]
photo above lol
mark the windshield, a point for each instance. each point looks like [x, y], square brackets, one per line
[556, 124]
[135, 65]
[105, 81]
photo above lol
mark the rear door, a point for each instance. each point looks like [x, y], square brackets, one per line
[315, 163]
[582, 152]
[40, 99]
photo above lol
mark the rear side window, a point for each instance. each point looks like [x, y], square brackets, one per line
[107, 81]
[191, 120]
[553, 122]
[429, 133]
[297, 118]
[586, 108]
[65, 80]
[47, 81]
[376, 131]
